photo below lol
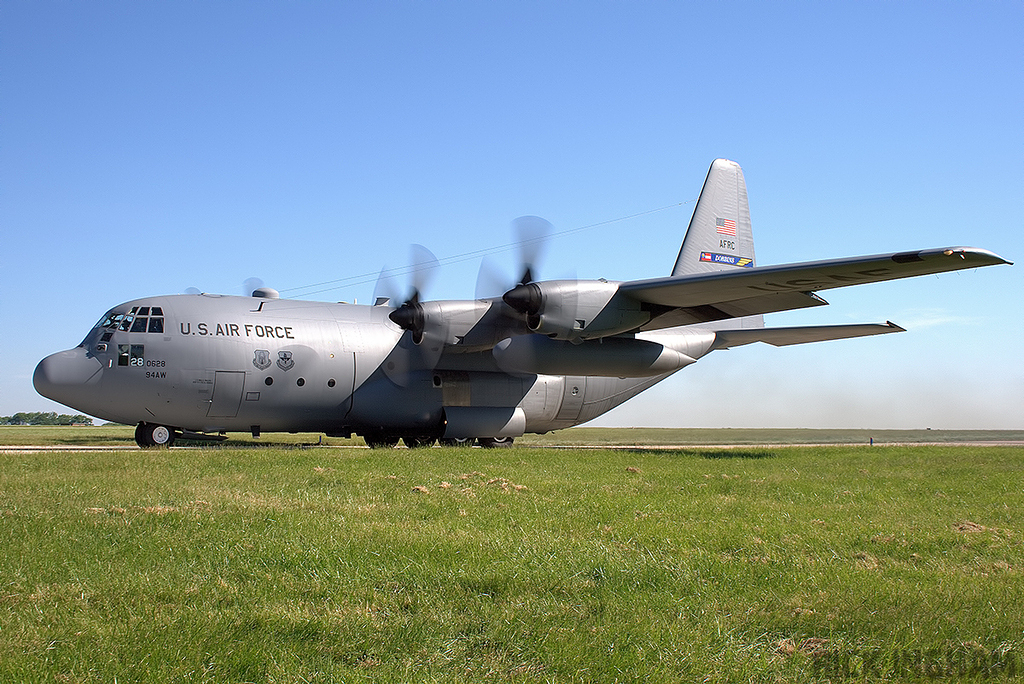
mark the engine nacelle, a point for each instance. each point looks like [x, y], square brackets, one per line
[576, 310]
[442, 322]
[623, 357]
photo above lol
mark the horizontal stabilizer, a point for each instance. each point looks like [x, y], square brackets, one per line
[781, 337]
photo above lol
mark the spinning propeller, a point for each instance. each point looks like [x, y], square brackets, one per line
[409, 316]
[421, 348]
[526, 296]
[531, 233]
[250, 285]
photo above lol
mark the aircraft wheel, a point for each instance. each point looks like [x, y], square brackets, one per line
[419, 442]
[147, 435]
[140, 436]
[381, 441]
[495, 442]
[457, 441]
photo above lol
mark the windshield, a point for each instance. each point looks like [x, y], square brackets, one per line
[138, 319]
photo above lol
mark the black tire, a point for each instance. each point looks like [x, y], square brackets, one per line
[381, 441]
[149, 435]
[495, 442]
[457, 441]
[140, 436]
[419, 442]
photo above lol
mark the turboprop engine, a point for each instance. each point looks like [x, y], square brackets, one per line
[576, 310]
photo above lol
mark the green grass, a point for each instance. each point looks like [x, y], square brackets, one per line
[322, 565]
[304, 564]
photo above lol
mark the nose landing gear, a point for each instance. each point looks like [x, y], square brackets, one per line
[148, 435]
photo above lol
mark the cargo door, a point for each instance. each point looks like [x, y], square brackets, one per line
[227, 394]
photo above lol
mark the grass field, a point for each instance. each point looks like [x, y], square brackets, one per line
[325, 565]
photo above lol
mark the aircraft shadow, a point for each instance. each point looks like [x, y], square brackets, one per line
[736, 453]
[707, 453]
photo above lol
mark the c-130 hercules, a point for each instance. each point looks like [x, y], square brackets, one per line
[543, 356]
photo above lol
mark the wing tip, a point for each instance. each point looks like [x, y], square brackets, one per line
[987, 256]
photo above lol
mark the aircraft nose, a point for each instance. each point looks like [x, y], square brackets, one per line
[64, 375]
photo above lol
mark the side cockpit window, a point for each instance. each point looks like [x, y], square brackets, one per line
[139, 319]
[111, 321]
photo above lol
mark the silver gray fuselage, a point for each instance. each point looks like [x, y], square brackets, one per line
[223, 363]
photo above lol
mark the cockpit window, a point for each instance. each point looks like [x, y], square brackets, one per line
[139, 319]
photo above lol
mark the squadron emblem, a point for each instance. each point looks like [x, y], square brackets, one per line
[285, 361]
[261, 359]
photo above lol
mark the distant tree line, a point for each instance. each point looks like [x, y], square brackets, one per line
[50, 418]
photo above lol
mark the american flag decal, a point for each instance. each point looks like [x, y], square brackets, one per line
[725, 226]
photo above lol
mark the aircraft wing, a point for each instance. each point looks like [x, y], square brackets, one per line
[782, 337]
[700, 298]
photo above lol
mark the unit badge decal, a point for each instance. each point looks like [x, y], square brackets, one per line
[285, 361]
[261, 359]
[711, 257]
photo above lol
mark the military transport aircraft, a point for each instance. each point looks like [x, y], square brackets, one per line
[542, 356]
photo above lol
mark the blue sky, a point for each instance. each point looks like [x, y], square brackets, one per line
[150, 147]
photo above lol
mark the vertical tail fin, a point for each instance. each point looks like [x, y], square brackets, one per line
[719, 236]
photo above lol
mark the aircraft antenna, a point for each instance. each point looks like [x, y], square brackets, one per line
[374, 276]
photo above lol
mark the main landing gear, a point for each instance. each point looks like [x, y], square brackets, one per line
[384, 441]
[456, 441]
[416, 442]
[148, 435]
[495, 442]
